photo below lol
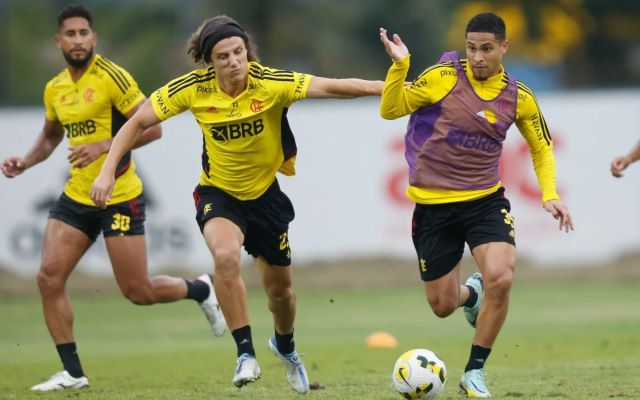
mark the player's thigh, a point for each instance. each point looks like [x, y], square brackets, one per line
[490, 233]
[62, 247]
[437, 239]
[445, 290]
[71, 229]
[221, 220]
[124, 235]
[222, 235]
[496, 260]
[268, 229]
[489, 220]
[128, 256]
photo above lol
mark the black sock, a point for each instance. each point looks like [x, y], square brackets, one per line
[70, 360]
[285, 343]
[242, 336]
[473, 297]
[477, 358]
[197, 290]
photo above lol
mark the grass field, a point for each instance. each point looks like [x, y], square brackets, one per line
[563, 340]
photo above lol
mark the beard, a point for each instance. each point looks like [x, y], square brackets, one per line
[78, 62]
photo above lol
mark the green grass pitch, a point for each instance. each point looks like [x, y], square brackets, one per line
[560, 341]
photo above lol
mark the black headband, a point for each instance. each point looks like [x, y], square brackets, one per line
[214, 31]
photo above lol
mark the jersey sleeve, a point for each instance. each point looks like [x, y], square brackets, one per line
[50, 111]
[168, 101]
[124, 90]
[533, 128]
[292, 91]
[428, 88]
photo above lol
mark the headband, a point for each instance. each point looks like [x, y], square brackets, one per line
[214, 31]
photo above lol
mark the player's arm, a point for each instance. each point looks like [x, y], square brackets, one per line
[84, 154]
[46, 142]
[126, 138]
[399, 99]
[150, 134]
[533, 128]
[320, 87]
[620, 163]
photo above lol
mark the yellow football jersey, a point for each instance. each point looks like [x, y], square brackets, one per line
[247, 139]
[91, 110]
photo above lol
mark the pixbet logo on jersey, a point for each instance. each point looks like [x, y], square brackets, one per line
[223, 133]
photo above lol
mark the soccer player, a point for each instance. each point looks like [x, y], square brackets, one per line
[90, 100]
[460, 112]
[621, 163]
[241, 107]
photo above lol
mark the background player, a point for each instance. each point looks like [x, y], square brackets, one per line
[90, 100]
[621, 163]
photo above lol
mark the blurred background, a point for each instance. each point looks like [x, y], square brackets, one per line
[556, 44]
[581, 57]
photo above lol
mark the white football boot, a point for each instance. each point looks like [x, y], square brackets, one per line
[296, 373]
[471, 313]
[61, 381]
[211, 308]
[472, 384]
[247, 370]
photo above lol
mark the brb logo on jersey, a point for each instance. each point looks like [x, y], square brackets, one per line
[223, 133]
[80, 128]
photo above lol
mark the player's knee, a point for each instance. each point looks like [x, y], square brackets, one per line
[280, 293]
[442, 308]
[139, 296]
[227, 265]
[500, 285]
[48, 281]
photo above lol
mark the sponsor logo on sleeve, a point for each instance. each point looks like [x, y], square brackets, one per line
[161, 102]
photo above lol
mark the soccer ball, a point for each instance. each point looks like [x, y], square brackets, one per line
[419, 374]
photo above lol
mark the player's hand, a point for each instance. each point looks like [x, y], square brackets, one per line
[84, 154]
[396, 49]
[13, 166]
[619, 164]
[101, 189]
[560, 211]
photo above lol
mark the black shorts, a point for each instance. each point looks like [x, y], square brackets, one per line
[440, 231]
[121, 219]
[263, 221]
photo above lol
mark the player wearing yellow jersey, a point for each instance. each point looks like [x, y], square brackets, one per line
[90, 100]
[460, 112]
[621, 163]
[241, 107]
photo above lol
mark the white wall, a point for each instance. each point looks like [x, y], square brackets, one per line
[349, 191]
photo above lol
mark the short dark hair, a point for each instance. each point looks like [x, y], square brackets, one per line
[488, 22]
[73, 10]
